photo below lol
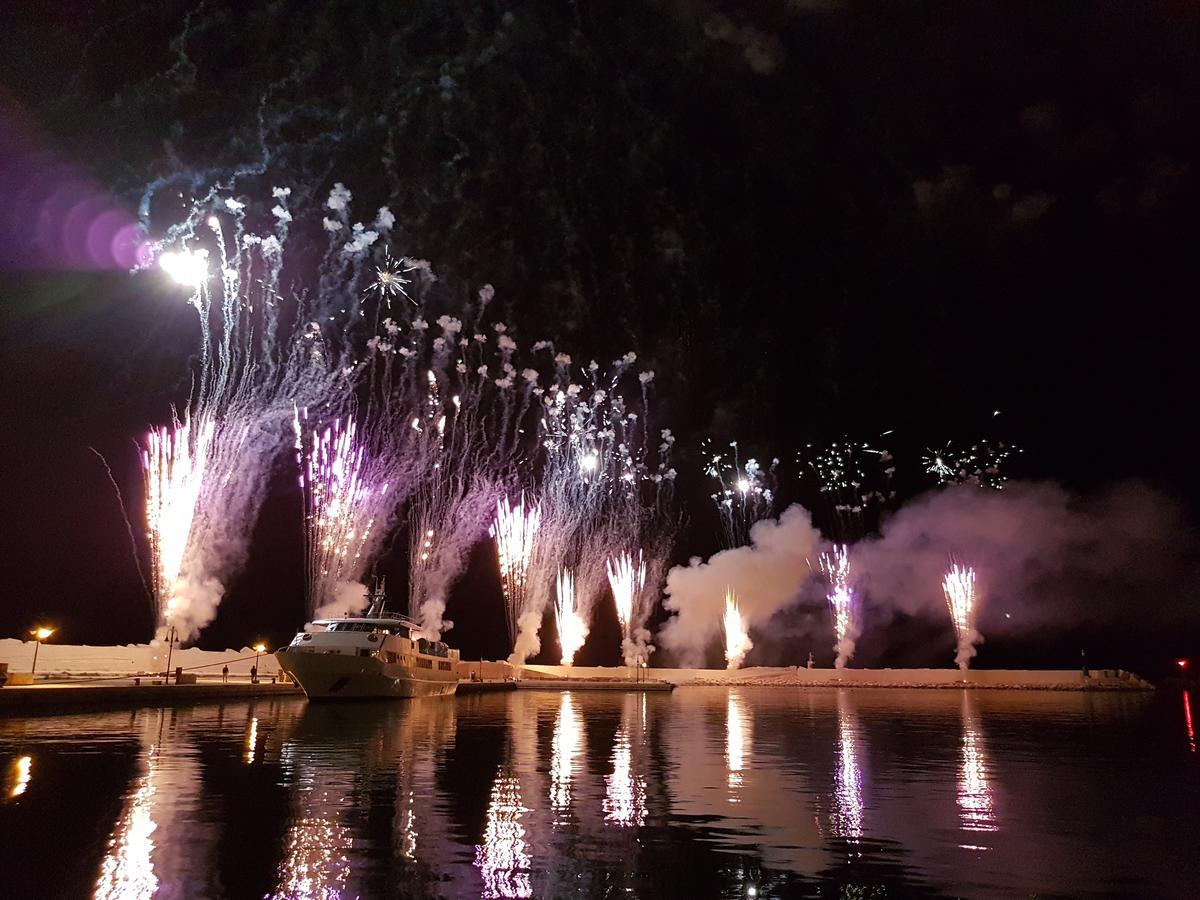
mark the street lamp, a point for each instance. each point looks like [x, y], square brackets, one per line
[39, 634]
[258, 648]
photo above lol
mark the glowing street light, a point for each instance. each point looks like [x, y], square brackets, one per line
[39, 634]
[259, 648]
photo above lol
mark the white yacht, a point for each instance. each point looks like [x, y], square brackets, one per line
[379, 654]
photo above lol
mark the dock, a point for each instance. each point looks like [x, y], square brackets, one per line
[485, 687]
[31, 698]
[591, 684]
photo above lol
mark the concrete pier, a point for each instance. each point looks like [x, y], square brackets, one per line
[591, 684]
[32, 698]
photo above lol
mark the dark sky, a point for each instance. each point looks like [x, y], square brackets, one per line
[813, 218]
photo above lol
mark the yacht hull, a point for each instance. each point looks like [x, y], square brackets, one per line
[333, 676]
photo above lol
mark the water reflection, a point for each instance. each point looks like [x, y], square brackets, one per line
[335, 760]
[316, 858]
[127, 872]
[22, 772]
[625, 794]
[503, 857]
[160, 842]
[974, 793]
[848, 795]
[737, 742]
[1187, 718]
[251, 740]
[566, 749]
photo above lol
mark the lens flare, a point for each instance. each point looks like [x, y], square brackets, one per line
[188, 267]
[737, 639]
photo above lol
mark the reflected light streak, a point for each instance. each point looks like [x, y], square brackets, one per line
[408, 828]
[503, 858]
[567, 741]
[1187, 718]
[22, 767]
[316, 865]
[127, 871]
[625, 794]
[975, 810]
[252, 740]
[848, 800]
[737, 743]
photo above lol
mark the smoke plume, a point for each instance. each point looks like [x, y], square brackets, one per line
[767, 576]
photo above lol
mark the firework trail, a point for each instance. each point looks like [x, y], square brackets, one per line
[737, 640]
[983, 464]
[842, 602]
[959, 587]
[745, 492]
[514, 531]
[467, 449]
[572, 627]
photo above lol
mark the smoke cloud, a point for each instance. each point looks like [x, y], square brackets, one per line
[767, 576]
[349, 598]
[1046, 559]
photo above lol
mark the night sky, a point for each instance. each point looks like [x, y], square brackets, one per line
[812, 218]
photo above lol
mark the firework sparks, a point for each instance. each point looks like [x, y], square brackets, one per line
[343, 507]
[514, 530]
[173, 466]
[572, 627]
[959, 587]
[982, 464]
[745, 492]
[390, 281]
[836, 567]
[737, 639]
[855, 480]
[626, 576]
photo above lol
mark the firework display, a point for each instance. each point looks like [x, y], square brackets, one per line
[514, 530]
[745, 491]
[207, 473]
[627, 578]
[854, 479]
[959, 587]
[404, 417]
[983, 463]
[572, 627]
[737, 639]
[842, 602]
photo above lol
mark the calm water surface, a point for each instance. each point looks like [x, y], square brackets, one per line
[704, 792]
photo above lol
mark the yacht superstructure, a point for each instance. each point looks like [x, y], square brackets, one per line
[379, 654]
